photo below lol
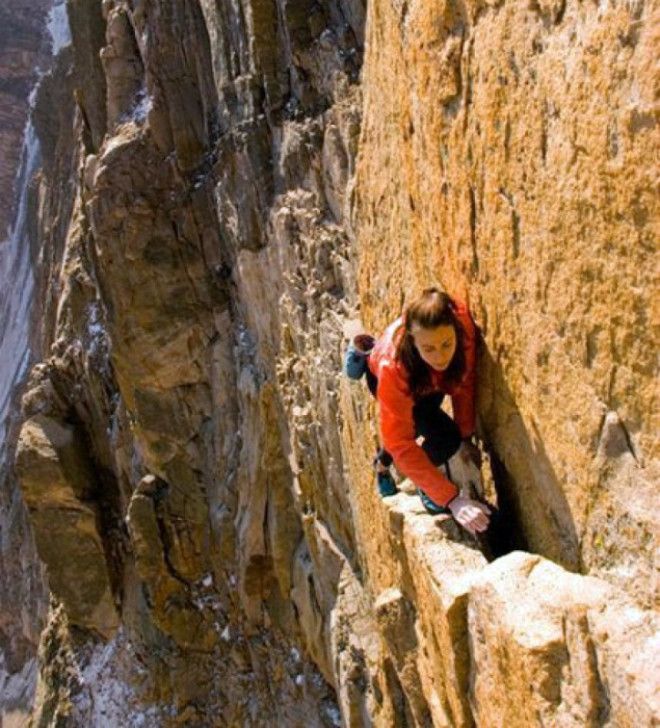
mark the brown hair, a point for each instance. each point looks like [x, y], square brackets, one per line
[431, 309]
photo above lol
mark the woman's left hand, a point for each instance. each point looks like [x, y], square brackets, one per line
[470, 453]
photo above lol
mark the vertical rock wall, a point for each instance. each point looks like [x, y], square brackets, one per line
[505, 154]
[24, 56]
[224, 185]
[155, 456]
[23, 48]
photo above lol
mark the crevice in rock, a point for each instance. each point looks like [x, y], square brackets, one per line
[158, 495]
[473, 232]
[112, 530]
[506, 533]
[629, 441]
[544, 133]
[515, 221]
[402, 714]
[600, 694]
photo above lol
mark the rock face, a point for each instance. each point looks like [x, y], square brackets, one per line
[23, 48]
[24, 54]
[223, 186]
[500, 157]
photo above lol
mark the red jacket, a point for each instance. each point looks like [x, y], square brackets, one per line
[397, 428]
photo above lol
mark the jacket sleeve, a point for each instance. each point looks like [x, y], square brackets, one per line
[397, 430]
[464, 395]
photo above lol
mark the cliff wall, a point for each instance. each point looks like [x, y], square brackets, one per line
[23, 48]
[223, 186]
[504, 153]
[24, 55]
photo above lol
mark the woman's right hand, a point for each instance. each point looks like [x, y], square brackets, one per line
[471, 514]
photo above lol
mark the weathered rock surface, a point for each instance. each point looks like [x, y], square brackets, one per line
[505, 153]
[24, 55]
[578, 643]
[23, 48]
[227, 184]
[58, 484]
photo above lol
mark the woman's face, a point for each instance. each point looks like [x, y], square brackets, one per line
[435, 346]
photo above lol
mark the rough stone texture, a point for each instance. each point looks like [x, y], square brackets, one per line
[23, 48]
[505, 153]
[24, 56]
[58, 482]
[578, 643]
[223, 190]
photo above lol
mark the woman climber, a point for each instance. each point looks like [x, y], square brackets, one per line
[427, 353]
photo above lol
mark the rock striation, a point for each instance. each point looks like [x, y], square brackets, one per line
[223, 185]
[24, 55]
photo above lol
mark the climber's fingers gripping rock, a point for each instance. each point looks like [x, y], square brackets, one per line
[471, 514]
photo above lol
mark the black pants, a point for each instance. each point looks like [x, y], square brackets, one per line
[442, 437]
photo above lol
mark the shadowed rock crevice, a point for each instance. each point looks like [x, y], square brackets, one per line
[507, 534]
[533, 502]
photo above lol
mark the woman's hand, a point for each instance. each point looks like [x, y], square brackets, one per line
[471, 514]
[469, 452]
